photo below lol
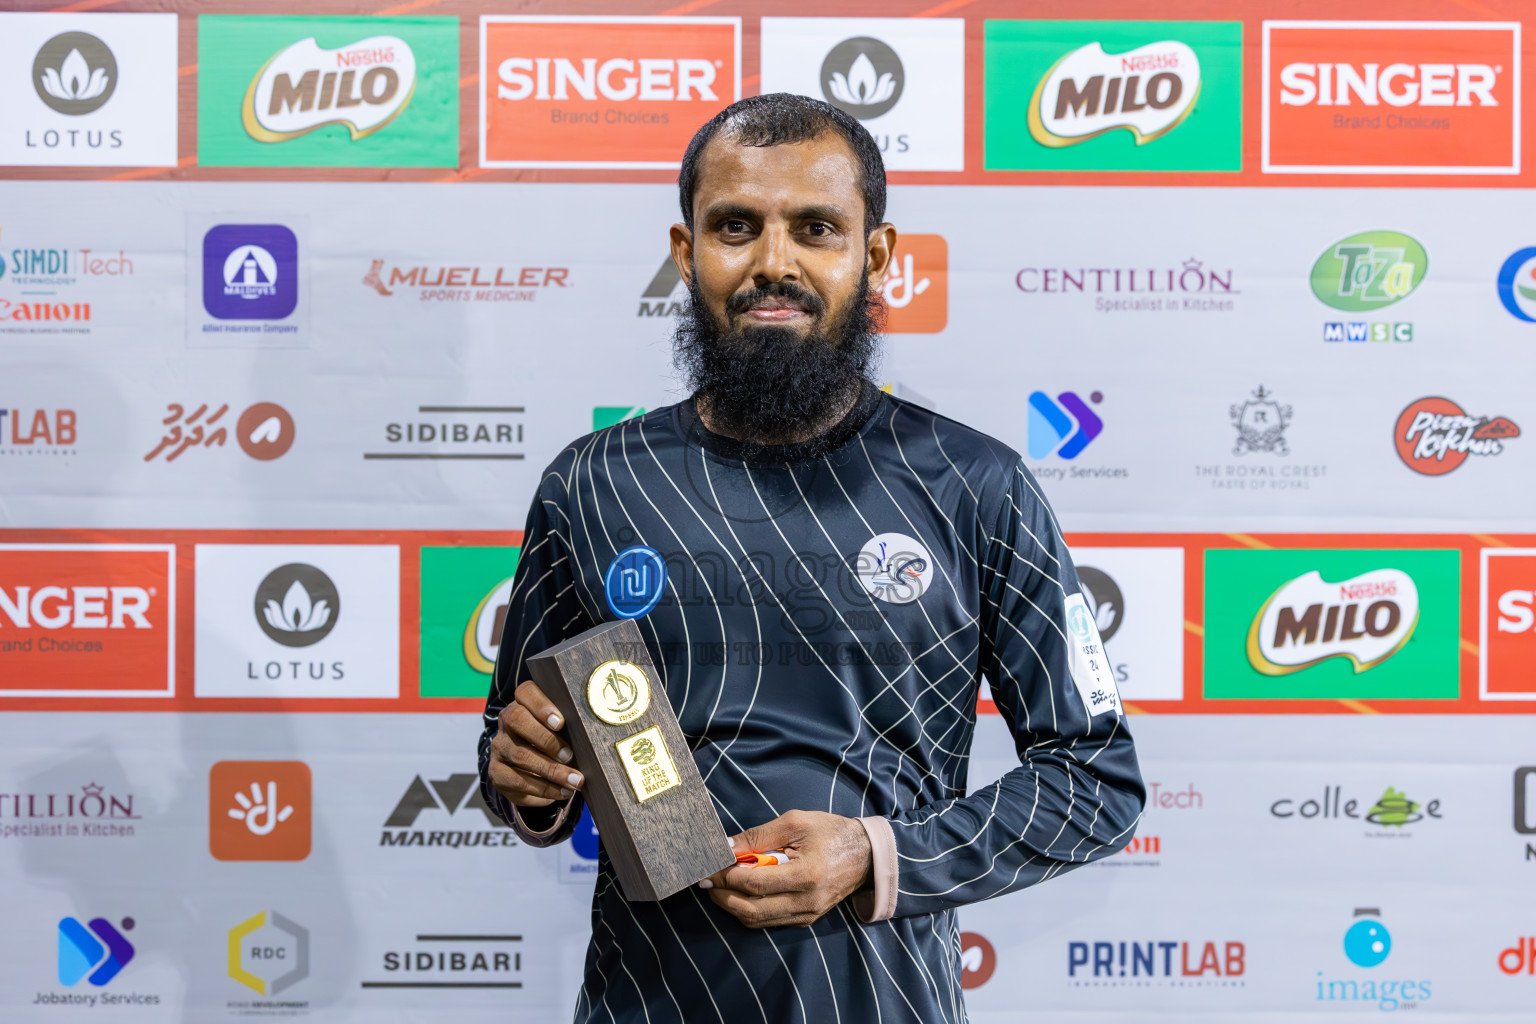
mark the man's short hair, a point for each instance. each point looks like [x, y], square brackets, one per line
[780, 118]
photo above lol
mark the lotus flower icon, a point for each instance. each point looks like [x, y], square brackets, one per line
[298, 612]
[863, 76]
[297, 605]
[74, 79]
[861, 86]
[74, 73]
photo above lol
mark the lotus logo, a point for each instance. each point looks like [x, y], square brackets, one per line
[1366, 620]
[1105, 602]
[297, 605]
[74, 73]
[1147, 91]
[862, 76]
[304, 87]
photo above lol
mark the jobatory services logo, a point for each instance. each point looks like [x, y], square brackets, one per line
[268, 954]
[464, 596]
[454, 432]
[87, 620]
[418, 817]
[1062, 427]
[1134, 596]
[916, 288]
[904, 78]
[39, 431]
[1368, 944]
[1332, 624]
[95, 953]
[301, 620]
[1391, 97]
[440, 282]
[264, 431]
[1517, 284]
[1434, 435]
[1364, 273]
[1157, 963]
[278, 91]
[259, 810]
[1185, 286]
[89, 90]
[1104, 95]
[95, 812]
[616, 92]
[1507, 627]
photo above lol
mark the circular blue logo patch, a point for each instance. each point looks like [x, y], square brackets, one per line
[634, 581]
[1517, 285]
[1367, 943]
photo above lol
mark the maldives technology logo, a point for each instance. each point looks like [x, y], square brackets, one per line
[327, 91]
[250, 272]
[1367, 624]
[1091, 95]
[1434, 435]
[464, 597]
[1063, 427]
[635, 581]
[1368, 944]
[97, 953]
[1517, 285]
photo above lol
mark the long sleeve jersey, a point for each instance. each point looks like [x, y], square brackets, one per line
[822, 633]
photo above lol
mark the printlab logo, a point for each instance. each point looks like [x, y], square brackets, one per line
[1063, 427]
[1367, 944]
[1434, 435]
[97, 953]
[264, 431]
[1507, 629]
[1106, 604]
[75, 73]
[250, 272]
[458, 794]
[862, 76]
[635, 581]
[297, 605]
[1162, 963]
[268, 954]
[1364, 273]
[916, 287]
[894, 568]
[1517, 285]
[259, 810]
[978, 959]
[38, 431]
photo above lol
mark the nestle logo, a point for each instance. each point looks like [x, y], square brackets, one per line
[1360, 591]
[1149, 62]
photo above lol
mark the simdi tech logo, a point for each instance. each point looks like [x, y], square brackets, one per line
[464, 595]
[259, 810]
[87, 620]
[1332, 624]
[1507, 627]
[88, 90]
[904, 78]
[1364, 273]
[277, 91]
[614, 92]
[1121, 96]
[1391, 97]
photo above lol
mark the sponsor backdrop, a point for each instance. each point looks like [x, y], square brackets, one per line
[296, 301]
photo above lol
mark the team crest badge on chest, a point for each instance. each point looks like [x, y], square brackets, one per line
[894, 568]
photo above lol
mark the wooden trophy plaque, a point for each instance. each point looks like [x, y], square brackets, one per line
[654, 815]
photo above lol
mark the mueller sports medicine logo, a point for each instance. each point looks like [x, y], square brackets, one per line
[305, 86]
[1507, 635]
[1434, 435]
[1364, 620]
[418, 817]
[483, 283]
[601, 92]
[1360, 97]
[1146, 91]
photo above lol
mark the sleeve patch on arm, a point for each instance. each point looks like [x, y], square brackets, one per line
[1089, 664]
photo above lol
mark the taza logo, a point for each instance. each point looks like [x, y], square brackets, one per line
[1435, 435]
[74, 73]
[1146, 91]
[1370, 270]
[862, 76]
[1364, 620]
[297, 605]
[304, 86]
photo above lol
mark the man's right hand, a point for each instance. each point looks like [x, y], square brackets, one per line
[529, 756]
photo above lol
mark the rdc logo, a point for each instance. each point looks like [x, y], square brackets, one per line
[634, 581]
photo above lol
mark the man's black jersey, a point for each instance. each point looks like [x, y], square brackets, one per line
[822, 633]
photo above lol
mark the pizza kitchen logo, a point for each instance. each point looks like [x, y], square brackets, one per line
[1435, 435]
[303, 87]
[1364, 620]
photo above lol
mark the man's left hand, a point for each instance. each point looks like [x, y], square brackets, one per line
[829, 858]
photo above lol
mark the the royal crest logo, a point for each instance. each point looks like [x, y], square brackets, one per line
[1261, 423]
[1435, 435]
[1364, 620]
[1146, 91]
[894, 568]
[362, 86]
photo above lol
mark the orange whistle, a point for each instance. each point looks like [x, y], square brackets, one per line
[758, 860]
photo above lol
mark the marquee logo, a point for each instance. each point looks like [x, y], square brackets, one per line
[305, 86]
[1371, 270]
[75, 73]
[1146, 91]
[1435, 435]
[622, 92]
[1507, 629]
[1401, 97]
[1365, 620]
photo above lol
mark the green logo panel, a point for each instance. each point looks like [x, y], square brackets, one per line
[463, 601]
[1371, 270]
[1332, 624]
[327, 91]
[607, 415]
[1113, 95]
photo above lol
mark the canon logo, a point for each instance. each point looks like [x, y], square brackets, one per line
[618, 79]
[80, 607]
[1397, 85]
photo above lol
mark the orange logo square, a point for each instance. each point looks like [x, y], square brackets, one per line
[259, 810]
[916, 288]
[601, 92]
[1508, 642]
[1391, 97]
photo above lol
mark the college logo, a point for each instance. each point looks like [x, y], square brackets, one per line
[1507, 626]
[1435, 435]
[268, 953]
[1063, 427]
[259, 810]
[635, 581]
[1094, 95]
[601, 92]
[1261, 423]
[264, 431]
[458, 793]
[89, 90]
[1393, 810]
[1361, 97]
[297, 605]
[250, 272]
[465, 592]
[1517, 285]
[1368, 944]
[903, 78]
[1174, 961]
[87, 620]
[916, 287]
[96, 953]
[1292, 623]
[327, 91]
[894, 568]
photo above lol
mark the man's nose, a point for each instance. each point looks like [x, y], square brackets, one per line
[775, 257]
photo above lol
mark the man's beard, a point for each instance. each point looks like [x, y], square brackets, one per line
[765, 384]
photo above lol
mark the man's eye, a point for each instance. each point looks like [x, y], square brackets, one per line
[734, 227]
[818, 229]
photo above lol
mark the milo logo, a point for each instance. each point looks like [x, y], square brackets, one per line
[1371, 270]
[1146, 91]
[1365, 620]
[304, 86]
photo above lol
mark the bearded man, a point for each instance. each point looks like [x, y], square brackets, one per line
[843, 570]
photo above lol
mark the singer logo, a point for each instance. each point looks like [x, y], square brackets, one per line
[916, 288]
[601, 92]
[1391, 97]
[87, 620]
[1507, 645]
[259, 810]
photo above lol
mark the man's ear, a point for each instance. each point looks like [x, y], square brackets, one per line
[881, 250]
[682, 252]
